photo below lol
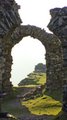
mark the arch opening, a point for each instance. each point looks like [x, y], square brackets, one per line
[26, 54]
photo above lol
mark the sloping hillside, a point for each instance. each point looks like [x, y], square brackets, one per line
[34, 78]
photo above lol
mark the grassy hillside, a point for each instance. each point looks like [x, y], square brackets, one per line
[34, 78]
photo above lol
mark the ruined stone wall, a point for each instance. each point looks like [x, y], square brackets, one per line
[11, 33]
[54, 64]
[58, 24]
[9, 20]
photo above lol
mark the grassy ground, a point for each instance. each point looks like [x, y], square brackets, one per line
[43, 105]
[46, 104]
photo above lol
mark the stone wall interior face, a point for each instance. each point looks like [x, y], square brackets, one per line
[11, 33]
[58, 25]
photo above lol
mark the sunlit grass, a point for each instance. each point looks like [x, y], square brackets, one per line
[43, 105]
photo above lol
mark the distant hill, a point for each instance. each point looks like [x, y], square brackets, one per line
[40, 67]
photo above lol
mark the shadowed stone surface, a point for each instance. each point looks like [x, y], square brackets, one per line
[9, 20]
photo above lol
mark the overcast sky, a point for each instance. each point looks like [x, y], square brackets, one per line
[30, 51]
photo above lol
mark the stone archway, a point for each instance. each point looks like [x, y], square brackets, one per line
[12, 33]
[53, 54]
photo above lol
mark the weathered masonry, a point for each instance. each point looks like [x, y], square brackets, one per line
[58, 24]
[11, 33]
